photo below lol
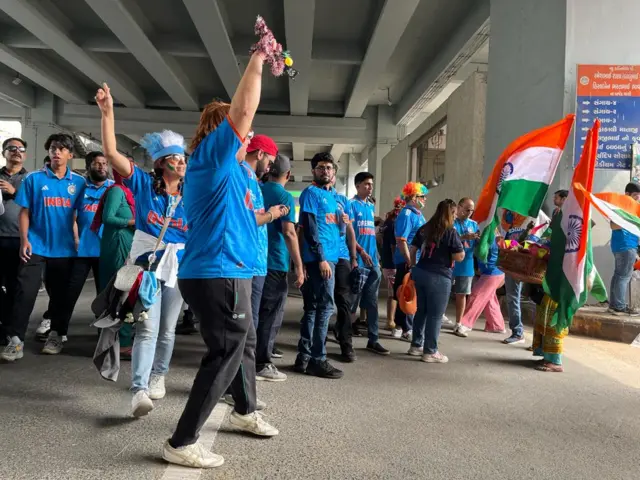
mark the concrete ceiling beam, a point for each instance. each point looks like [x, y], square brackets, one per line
[21, 95]
[48, 77]
[471, 35]
[298, 151]
[390, 26]
[337, 150]
[298, 25]
[209, 21]
[33, 18]
[282, 128]
[326, 51]
[121, 18]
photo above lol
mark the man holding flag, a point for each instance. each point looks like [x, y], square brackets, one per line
[571, 273]
[519, 183]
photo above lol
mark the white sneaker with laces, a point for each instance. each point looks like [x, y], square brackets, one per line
[228, 399]
[462, 331]
[252, 423]
[141, 404]
[396, 333]
[44, 327]
[270, 374]
[407, 335]
[53, 345]
[194, 455]
[13, 351]
[415, 351]
[156, 387]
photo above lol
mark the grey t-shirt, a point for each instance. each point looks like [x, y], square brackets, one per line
[9, 221]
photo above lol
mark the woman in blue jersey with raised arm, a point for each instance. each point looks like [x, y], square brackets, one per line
[158, 198]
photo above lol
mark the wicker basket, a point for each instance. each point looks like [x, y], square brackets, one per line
[523, 267]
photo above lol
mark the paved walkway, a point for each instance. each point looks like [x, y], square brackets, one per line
[485, 415]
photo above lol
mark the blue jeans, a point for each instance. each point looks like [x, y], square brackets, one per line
[368, 299]
[433, 290]
[514, 291]
[154, 338]
[621, 278]
[257, 285]
[317, 295]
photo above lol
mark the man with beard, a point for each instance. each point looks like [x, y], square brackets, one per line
[14, 151]
[261, 152]
[49, 198]
[321, 250]
[464, 271]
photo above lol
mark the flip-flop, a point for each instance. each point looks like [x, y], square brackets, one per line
[550, 367]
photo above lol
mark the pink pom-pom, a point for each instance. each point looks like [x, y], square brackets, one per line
[269, 47]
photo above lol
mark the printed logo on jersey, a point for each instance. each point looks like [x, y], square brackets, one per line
[71, 189]
[248, 199]
[154, 219]
[57, 202]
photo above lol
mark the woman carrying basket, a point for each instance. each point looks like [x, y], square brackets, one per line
[157, 200]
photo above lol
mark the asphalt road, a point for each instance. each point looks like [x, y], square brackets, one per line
[486, 415]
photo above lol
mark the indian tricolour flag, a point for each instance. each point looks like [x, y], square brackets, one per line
[620, 209]
[571, 273]
[520, 179]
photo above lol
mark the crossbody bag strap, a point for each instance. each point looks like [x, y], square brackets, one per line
[167, 221]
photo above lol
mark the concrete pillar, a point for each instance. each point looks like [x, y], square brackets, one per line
[534, 50]
[37, 124]
[386, 139]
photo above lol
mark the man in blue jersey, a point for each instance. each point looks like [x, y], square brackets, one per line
[363, 213]
[283, 248]
[261, 151]
[87, 244]
[49, 198]
[320, 253]
[463, 272]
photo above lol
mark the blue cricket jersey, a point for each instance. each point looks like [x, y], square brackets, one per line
[223, 234]
[151, 209]
[52, 202]
[322, 204]
[465, 268]
[344, 206]
[89, 240]
[274, 194]
[363, 214]
[260, 266]
[409, 221]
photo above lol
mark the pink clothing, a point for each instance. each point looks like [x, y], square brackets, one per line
[483, 299]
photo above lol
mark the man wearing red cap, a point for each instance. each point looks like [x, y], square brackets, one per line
[261, 152]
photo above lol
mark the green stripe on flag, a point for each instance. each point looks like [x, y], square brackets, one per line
[627, 216]
[522, 196]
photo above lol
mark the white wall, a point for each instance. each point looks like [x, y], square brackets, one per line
[464, 112]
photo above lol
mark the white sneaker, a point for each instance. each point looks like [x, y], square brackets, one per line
[270, 374]
[141, 404]
[396, 333]
[435, 358]
[252, 423]
[43, 328]
[53, 345]
[194, 455]
[462, 331]
[415, 351]
[156, 387]
[407, 336]
[13, 351]
[228, 399]
[446, 323]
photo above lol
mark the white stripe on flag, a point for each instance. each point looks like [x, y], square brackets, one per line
[535, 164]
[610, 213]
[572, 266]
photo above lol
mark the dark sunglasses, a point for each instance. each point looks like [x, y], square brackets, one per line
[15, 148]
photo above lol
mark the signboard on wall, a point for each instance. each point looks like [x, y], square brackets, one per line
[610, 93]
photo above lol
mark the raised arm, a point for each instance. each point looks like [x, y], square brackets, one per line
[247, 97]
[119, 162]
